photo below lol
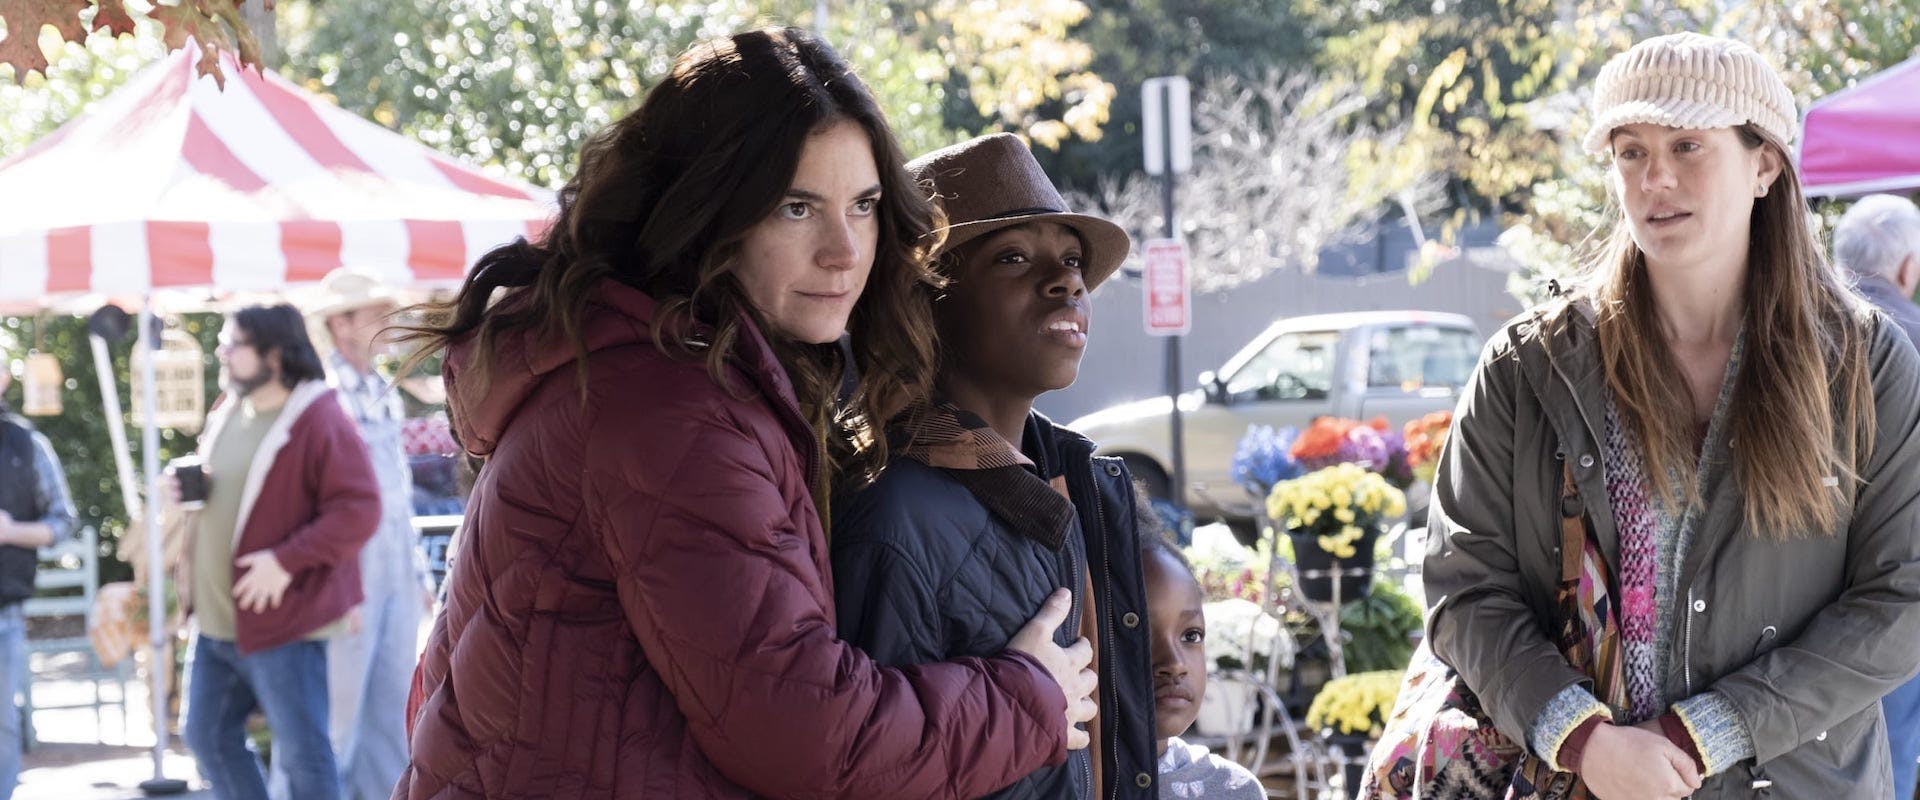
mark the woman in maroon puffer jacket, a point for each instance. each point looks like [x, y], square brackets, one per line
[641, 605]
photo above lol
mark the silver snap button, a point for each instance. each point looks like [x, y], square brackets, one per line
[1586, 461]
[1143, 780]
[1769, 632]
[1699, 606]
[1131, 620]
[1821, 738]
[1114, 470]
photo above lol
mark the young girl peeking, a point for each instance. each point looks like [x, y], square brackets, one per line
[1178, 629]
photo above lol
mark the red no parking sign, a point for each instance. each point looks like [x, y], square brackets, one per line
[1169, 306]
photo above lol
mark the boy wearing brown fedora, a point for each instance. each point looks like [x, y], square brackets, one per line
[988, 506]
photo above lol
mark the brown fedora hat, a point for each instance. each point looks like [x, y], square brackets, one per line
[993, 182]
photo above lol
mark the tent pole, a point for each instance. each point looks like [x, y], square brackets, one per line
[156, 562]
[116, 427]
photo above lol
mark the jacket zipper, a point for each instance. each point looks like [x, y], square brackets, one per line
[1108, 726]
[1073, 617]
[1686, 644]
[1073, 594]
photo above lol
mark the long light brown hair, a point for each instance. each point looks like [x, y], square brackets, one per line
[1802, 408]
[662, 200]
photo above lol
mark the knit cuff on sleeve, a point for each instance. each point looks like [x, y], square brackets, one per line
[1719, 733]
[1566, 712]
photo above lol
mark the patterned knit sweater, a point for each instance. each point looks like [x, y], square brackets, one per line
[1653, 545]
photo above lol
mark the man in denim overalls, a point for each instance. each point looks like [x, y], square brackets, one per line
[369, 668]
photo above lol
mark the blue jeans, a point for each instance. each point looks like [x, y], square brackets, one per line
[13, 668]
[1902, 707]
[289, 683]
[368, 676]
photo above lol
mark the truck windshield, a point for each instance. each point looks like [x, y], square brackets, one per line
[1294, 366]
[1417, 357]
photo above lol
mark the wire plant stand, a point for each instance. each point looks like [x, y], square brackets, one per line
[1317, 765]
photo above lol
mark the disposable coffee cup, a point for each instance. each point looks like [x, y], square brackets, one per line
[193, 481]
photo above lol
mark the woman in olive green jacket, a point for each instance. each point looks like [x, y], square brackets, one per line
[1744, 436]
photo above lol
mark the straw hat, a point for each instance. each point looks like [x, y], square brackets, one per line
[349, 289]
[1691, 81]
[993, 182]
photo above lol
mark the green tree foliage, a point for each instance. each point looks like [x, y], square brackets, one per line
[1485, 84]
[1823, 46]
[1133, 40]
[518, 85]
[521, 84]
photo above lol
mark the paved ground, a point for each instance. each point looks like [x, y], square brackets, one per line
[96, 752]
[64, 771]
[84, 753]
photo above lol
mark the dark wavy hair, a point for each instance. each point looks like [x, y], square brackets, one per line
[281, 328]
[662, 200]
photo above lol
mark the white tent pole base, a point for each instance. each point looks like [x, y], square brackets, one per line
[156, 564]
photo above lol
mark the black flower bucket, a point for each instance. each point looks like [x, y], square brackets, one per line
[1316, 567]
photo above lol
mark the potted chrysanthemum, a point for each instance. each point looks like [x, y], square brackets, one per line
[1333, 516]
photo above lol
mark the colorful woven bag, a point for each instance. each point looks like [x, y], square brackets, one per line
[1439, 742]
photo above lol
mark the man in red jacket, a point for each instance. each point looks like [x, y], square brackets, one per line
[272, 563]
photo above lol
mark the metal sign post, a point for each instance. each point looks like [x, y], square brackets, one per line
[1167, 129]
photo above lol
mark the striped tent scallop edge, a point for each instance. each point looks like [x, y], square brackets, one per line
[172, 182]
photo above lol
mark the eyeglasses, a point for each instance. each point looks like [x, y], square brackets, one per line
[228, 343]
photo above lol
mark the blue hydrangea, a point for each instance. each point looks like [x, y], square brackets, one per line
[1264, 458]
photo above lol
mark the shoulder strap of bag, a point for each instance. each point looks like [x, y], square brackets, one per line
[1573, 529]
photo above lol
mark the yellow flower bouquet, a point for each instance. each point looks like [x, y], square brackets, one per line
[1356, 704]
[1333, 516]
[1337, 505]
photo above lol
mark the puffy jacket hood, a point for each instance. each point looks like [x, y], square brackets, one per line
[617, 316]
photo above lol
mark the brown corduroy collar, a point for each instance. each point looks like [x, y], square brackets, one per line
[1011, 486]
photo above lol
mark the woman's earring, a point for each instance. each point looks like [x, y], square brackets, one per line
[1760, 190]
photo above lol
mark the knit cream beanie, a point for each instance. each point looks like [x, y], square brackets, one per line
[1691, 81]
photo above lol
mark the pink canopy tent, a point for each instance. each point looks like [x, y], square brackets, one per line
[173, 182]
[1865, 139]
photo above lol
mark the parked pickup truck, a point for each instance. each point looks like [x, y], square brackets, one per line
[1394, 364]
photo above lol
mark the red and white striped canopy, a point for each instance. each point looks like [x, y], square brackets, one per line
[172, 182]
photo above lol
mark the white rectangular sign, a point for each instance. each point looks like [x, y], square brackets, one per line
[1166, 109]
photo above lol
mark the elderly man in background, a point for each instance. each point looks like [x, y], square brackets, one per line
[369, 669]
[1878, 242]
